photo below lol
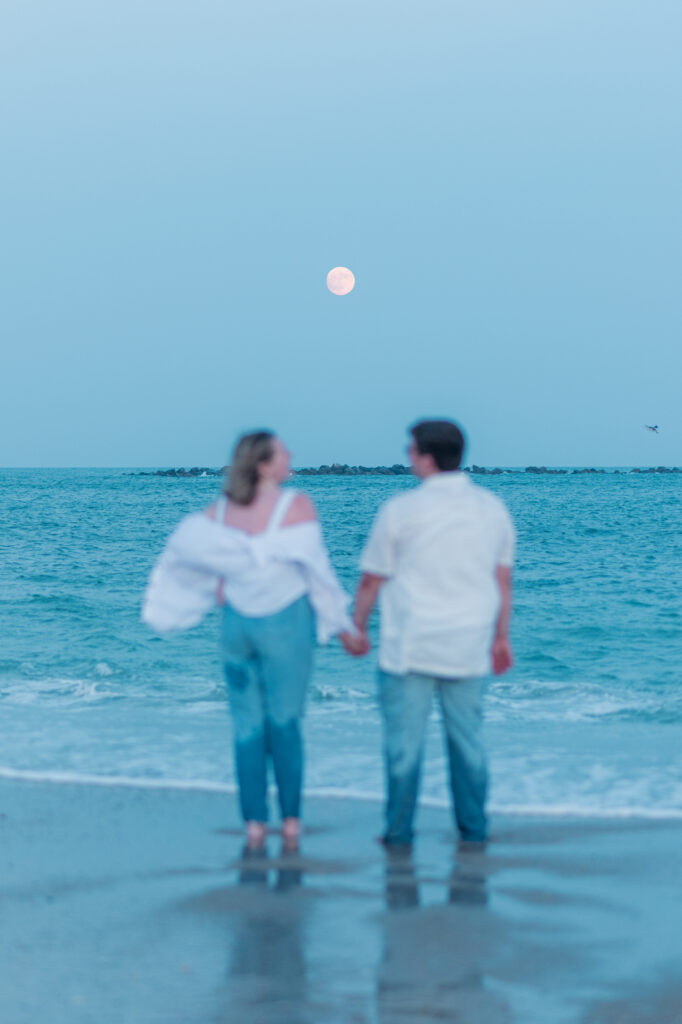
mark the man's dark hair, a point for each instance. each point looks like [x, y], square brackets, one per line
[442, 439]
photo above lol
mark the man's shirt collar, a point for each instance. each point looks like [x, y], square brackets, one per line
[447, 478]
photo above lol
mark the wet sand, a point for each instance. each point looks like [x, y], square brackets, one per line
[128, 906]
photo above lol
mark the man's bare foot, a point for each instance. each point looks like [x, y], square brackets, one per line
[403, 849]
[256, 831]
[291, 833]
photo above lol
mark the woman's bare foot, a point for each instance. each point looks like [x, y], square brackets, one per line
[256, 832]
[291, 833]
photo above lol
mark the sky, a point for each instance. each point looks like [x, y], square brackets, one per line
[178, 178]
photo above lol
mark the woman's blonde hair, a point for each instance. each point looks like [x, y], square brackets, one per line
[242, 476]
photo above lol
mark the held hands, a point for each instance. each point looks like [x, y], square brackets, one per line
[356, 644]
[502, 656]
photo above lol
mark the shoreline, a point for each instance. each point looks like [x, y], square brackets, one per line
[140, 906]
[549, 812]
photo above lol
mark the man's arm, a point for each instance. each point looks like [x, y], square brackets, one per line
[501, 652]
[365, 599]
[377, 562]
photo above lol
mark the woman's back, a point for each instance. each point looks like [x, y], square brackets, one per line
[255, 518]
[271, 584]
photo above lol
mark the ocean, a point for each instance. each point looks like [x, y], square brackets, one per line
[588, 723]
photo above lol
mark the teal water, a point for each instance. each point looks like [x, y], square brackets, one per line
[588, 722]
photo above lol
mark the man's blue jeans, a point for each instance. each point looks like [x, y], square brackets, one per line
[405, 702]
[267, 664]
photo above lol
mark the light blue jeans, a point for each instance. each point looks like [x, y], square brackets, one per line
[267, 664]
[405, 702]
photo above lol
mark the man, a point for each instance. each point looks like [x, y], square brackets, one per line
[440, 556]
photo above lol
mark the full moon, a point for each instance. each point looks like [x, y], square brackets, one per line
[340, 281]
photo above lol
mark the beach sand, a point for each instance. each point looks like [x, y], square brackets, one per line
[130, 906]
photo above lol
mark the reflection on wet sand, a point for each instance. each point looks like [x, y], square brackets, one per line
[256, 867]
[431, 966]
[141, 918]
[266, 963]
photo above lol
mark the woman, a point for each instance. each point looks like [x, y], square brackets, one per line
[258, 552]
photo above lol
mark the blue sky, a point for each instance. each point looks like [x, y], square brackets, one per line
[503, 180]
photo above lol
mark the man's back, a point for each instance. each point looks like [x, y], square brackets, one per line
[439, 547]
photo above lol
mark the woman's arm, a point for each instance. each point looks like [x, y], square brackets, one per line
[302, 510]
[305, 545]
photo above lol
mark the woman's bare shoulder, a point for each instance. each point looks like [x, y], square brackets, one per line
[301, 510]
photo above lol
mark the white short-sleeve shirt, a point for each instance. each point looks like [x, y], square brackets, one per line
[439, 547]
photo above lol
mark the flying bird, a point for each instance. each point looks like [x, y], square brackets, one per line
[654, 430]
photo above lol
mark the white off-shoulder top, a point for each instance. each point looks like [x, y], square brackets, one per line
[206, 562]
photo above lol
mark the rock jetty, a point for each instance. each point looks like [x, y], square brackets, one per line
[194, 471]
[343, 469]
[336, 469]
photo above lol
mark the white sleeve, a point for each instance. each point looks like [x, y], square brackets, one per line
[378, 556]
[183, 584]
[177, 596]
[329, 600]
[507, 538]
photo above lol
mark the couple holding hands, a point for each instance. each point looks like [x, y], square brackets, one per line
[439, 558]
